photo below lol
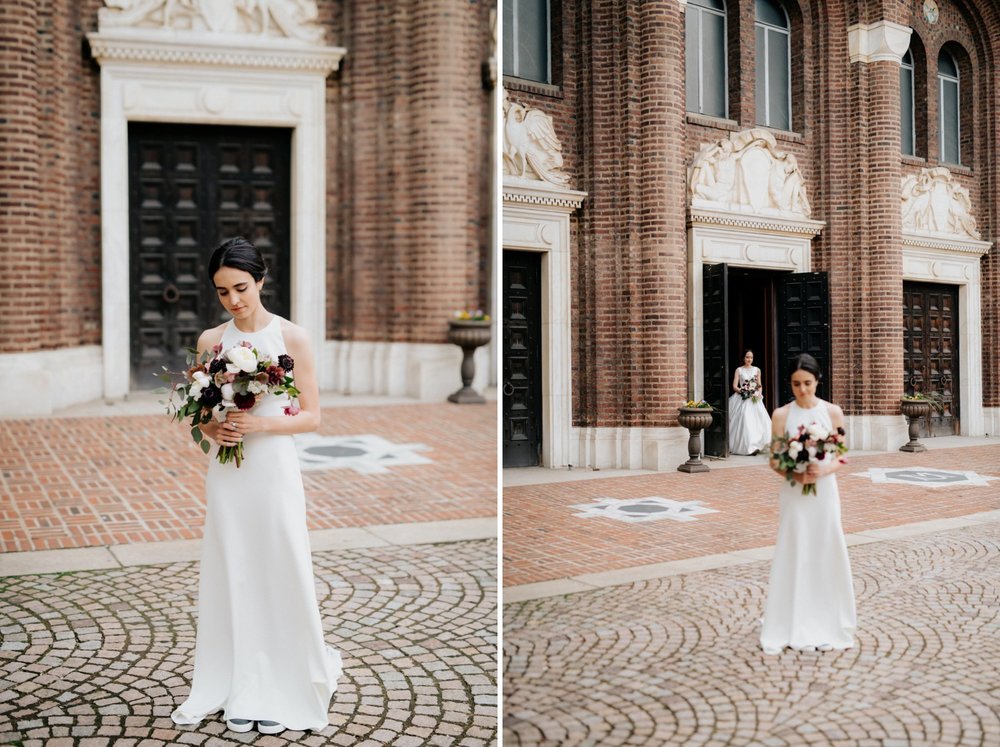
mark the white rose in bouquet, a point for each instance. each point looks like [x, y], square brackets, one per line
[241, 359]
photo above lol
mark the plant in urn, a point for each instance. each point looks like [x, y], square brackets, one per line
[468, 330]
[696, 417]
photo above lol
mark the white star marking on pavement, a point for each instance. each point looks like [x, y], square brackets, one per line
[930, 477]
[636, 510]
[365, 454]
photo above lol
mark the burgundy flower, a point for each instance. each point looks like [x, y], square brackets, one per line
[217, 365]
[286, 362]
[275, 375]
[211, 396]
[244, 401]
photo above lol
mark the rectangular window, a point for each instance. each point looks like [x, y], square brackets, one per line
[778, 82]
[713, 45]
[949, 122]
[692, 59]
[526, 40]
[907, 134]
[760, 78]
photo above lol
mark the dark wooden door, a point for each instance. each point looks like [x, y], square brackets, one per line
[522, 369]
[803, 327]
[190, 186]
[715, 356]
[930, 351]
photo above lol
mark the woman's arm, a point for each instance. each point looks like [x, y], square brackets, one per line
[209, 339]
[777, 429]
[304, 373]
[736, 380]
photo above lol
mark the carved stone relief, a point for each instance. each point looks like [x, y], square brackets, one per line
[293, 19]
[933, 202]
[531, 149]
[747, 173]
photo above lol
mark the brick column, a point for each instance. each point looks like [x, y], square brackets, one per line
[23, 282]
[662, 306]
[879, 254]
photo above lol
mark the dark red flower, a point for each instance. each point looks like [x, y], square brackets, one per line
[244, 401]
[211, 396]
[286, 362]
[275, 375]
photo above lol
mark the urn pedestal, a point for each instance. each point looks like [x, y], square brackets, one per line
[468, 334]
[914, 410]
[695, 419]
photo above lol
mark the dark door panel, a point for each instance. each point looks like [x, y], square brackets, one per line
[803, 327]
[930, 351]
[522, 371]
[190, 186]
[715, 360]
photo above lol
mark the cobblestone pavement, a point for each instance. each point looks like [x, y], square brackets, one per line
[102, 657]
[543, 539]
[90, 481]
[675, 661]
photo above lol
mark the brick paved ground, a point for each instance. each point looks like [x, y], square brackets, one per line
[102, 657]
[543, 540]
[674, 661]
[86, 481]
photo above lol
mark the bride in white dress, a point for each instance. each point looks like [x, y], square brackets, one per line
[810, 598]
[749, 424]
[260, 654]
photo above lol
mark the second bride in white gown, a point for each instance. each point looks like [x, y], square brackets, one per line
[749, 424]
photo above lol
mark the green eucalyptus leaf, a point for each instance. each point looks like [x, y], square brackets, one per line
[205, 446]
[197, 435]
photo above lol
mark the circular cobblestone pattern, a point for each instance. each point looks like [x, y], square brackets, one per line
[103, 657]
[675, 661]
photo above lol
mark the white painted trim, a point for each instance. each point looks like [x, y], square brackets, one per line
[423, 371]
[991, 421]
[933, 263]
[38, 383]
[739, 242]
[660, 449]
[197, 88]
[878, 42]
[536, 219]
[875, 432]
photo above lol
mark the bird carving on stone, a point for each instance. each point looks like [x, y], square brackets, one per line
[531, 149]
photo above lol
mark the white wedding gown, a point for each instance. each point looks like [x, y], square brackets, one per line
[810, 598]
[260, 653]
[749, 423]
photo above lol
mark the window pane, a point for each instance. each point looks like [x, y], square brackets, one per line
[691, 58]
[508, 37]
[713, 77]
[770, 12]
[946, 65]
[777, 84]
[716, 4]
[906, 111]
[760, 82]
[533, 40]
[949, 121]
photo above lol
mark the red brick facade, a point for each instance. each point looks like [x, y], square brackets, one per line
[618, 106]
[408, 154]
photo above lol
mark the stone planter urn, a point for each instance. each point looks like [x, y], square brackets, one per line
[913, 410]
[695, 419]
[468, 334]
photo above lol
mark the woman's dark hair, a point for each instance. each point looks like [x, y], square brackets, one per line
[748, 350]
[239, 254]
[805, 362]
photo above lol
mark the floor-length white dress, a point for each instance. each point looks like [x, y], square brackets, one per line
[810, 597]
[260, 652]
[749, 423]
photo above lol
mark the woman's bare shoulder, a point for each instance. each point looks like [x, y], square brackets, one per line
[780, 414]
[835, 411]
[211, 337]
[293, 334]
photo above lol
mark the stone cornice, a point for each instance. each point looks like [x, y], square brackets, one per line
[797, 227]
[877, 42]
[946, 242]
[215, 50]
[533, 192]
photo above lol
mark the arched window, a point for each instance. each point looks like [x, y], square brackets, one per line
[705, 57]
[907, 107]
[949, 117]
[774, 80]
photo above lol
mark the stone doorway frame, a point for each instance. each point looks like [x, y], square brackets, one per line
[216, 80]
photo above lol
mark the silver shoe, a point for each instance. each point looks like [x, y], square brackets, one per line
[269, 727]
[239, 724]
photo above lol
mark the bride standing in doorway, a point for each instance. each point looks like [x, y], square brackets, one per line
[749, 424]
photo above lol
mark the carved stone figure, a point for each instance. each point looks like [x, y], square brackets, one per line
[933, 202]
[747, 173]
[531, 149]
[294, 19]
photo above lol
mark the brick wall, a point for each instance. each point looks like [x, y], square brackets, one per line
[408, 196]
[618, 96]
[407, 154]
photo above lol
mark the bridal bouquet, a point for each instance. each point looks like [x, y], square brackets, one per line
[748, 389]
[221, 380]
[812, 445]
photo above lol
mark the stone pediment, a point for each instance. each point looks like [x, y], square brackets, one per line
[935, 205]
[746, 173]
